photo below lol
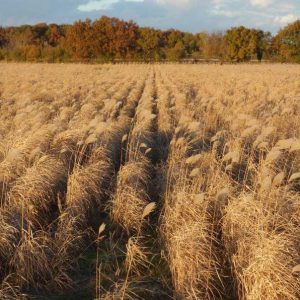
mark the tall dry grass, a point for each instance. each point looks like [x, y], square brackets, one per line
[170, 181]
[187, 231]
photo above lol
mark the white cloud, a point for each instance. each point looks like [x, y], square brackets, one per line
[97, 5]
[283, 20]
[267, 14]
[94, 5]
[261, 3]
[178, 3]
[223, 8]
[225, 13]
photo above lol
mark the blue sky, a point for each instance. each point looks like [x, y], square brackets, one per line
[187, 15]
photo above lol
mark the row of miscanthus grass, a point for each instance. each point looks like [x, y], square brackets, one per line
[91, 181]
[258, 150]
[187, 219]
[131, 207]
[137, 165]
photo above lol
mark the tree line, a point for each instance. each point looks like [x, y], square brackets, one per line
[111, 39]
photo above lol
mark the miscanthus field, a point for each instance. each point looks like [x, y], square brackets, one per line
[149, 182]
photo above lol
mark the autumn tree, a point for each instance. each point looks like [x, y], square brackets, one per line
[190, 43]
[177, 52]
[260, 43]
[24, 36]
[286, 44]
[116, 37]
[80, 40]
[213, 45]
[106, 37]
[54, 34]
[39, 31]
[125, 38]
[173, 37]
[238, 42]
[150, 42]
[103, 34]
[178, 45]
[242, 43]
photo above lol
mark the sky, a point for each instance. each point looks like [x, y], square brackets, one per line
[187, 15]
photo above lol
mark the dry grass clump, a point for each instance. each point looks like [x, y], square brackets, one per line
[30, 209]
[127, 290]
[34, 265]
[10, 236]
[16, 154]
[112, 138]
[137, 256]
[86, 184]
[187, 232]
[10, 292]
[131, 196]
[87, 190]
[132, 189]
[189, 241]
[281, 165]
[141, 138]
[262, 255]
[165, 118]
[34, 194]
[67, 145]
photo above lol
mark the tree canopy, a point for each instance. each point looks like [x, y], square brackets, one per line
[111, 39]
[287, 43]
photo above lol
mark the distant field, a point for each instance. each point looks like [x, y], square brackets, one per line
[149, 181]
